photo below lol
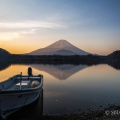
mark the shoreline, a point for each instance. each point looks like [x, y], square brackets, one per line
[112, 112]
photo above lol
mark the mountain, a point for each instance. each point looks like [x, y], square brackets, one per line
[113, 59]
[61, 47]
[64, 52]
[3, 54]
[115, 54]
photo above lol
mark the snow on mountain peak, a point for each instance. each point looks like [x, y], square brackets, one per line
[60, 44]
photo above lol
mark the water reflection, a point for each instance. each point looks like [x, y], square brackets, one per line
[61, 72]
[93, 86]
[115, 65]
[4, 64]
[59, 67]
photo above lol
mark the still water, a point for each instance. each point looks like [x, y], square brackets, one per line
[71, 88]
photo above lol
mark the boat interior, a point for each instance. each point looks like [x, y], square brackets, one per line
[21, 82]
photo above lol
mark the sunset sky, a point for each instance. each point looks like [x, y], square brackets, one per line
[91, 25]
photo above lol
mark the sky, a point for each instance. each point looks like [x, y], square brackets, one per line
[91, 25]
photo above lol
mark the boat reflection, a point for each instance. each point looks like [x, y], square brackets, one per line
[32, 111]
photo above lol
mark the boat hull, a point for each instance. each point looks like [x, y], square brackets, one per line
[13, 100]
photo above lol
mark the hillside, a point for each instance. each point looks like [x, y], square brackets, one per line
[115, 54]
[3, 54]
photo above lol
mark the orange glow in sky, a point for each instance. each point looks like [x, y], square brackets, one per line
[16, 47]
[36, 24]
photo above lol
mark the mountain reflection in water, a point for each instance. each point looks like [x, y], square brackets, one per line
[4, 64]
[69, 68]
[61, 72]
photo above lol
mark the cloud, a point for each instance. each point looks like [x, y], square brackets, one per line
[25, 32]
[9, 35]
[17, 34]
[30, 24]
[12, 30]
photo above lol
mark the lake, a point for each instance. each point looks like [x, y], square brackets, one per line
[72, 88]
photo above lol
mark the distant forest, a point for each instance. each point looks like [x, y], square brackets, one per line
[112, 59]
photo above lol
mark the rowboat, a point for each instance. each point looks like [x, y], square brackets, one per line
[17, 92]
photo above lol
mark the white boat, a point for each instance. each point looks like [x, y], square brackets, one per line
[17, 92]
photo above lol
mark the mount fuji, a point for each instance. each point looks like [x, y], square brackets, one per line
[61, 47]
